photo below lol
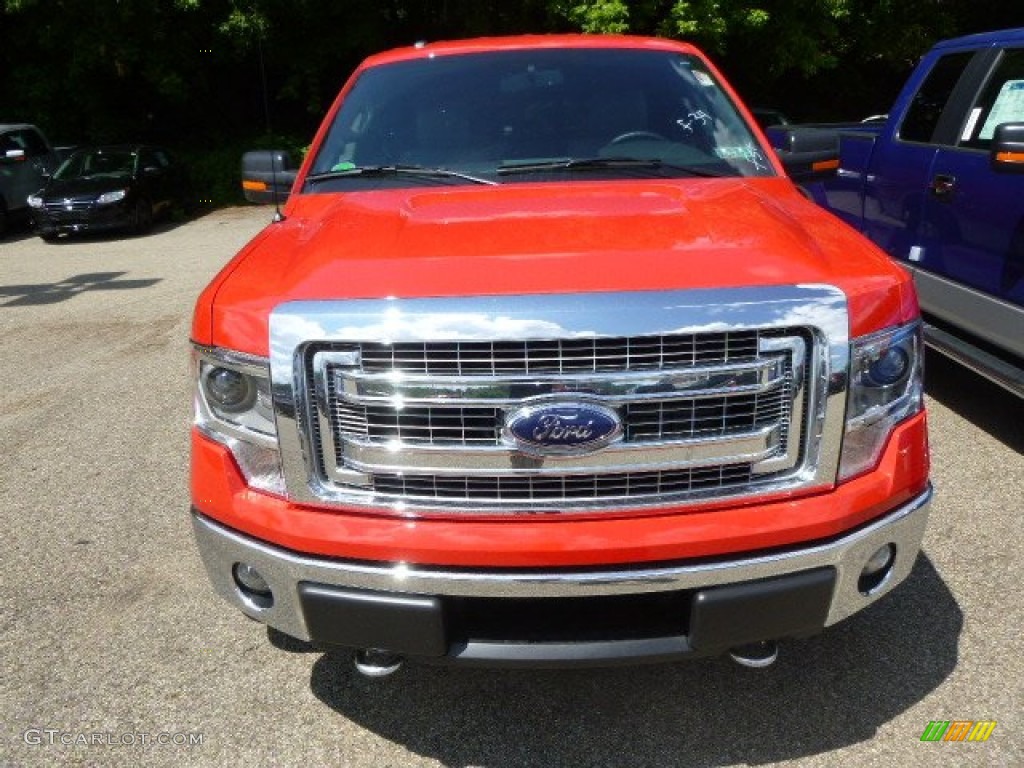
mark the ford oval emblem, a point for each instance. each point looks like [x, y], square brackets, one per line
[562, 428]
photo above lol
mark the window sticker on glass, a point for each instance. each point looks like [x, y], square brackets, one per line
[972, 121]
[700, 117]
[747, 152]
[703, 78]
[1008, 108]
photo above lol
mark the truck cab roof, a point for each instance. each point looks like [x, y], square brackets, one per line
[983, 39]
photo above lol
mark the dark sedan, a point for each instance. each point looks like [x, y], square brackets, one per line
[104, 188]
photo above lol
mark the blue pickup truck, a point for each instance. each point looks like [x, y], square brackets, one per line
[940, 187]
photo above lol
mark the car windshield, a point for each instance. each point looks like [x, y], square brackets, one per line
[535, 115]
[97, 163]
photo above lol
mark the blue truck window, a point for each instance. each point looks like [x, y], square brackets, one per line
[1001, 101]
[930, 100]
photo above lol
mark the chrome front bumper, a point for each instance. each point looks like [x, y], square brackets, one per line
[291, 576]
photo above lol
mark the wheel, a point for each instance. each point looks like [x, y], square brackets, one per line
[623, 138]
[142, 216]
[3, 219]
[49, 237]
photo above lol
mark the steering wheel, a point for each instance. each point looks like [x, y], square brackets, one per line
[622, 138]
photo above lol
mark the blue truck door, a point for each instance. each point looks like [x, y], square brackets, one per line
[973, 215]
[894, 201]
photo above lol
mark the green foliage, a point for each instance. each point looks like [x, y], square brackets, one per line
[700, 18]
[597, 16]
[781, 50]
[801, 35]
[215, 174]
[189, 73]
[245, 24]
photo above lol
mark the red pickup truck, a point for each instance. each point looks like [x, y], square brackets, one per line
[547, 362]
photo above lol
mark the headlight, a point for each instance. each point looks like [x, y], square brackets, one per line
[112, 197]
[886, 387]
[229, 390]
[233, 406]
[35, 201]
[237, 397]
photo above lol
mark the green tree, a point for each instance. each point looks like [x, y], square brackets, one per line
[189, 73]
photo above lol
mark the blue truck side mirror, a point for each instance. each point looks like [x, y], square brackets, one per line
[1007, 151]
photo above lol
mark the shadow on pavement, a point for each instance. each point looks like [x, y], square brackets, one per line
[18, 231]
[159, 227]
[287, 643]
[986, 405]
[62, 290]
[15, 236]
[827, 692]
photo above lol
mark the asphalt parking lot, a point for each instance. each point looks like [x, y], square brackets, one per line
[115, 650]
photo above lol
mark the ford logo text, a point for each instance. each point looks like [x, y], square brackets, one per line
[562, 428]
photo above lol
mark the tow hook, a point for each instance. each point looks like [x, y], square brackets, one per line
[756, 655]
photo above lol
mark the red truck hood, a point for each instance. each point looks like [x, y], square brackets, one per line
[545, 238]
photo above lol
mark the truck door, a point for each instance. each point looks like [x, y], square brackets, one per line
[25, 174]
[974, 215]
[895, 188]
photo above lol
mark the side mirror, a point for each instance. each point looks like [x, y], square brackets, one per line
[13, 156]
[267, 175]
[1007, 151]
[807, 154]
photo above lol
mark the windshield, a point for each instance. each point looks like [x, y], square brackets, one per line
[97, 163]
[541, 114]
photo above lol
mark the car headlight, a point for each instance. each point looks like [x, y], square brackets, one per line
[112, 197]
[233, 406]
[35, 201]
[886, 387]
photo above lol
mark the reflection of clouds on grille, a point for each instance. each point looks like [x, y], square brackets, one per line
[400, 326]
[383, 322]
[538, 317]
[828, 315]
[287, 331]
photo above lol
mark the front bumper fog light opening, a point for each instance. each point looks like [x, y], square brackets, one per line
[877, 570]
[253, 588]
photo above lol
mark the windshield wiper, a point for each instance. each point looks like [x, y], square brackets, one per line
[395, 170]
[598, 164]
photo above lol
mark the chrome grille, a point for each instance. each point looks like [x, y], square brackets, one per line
[706, 417]
[394, 411]
[427, 406]
[430, 425]
[623, 487]
[660, 420]
[509, 358]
